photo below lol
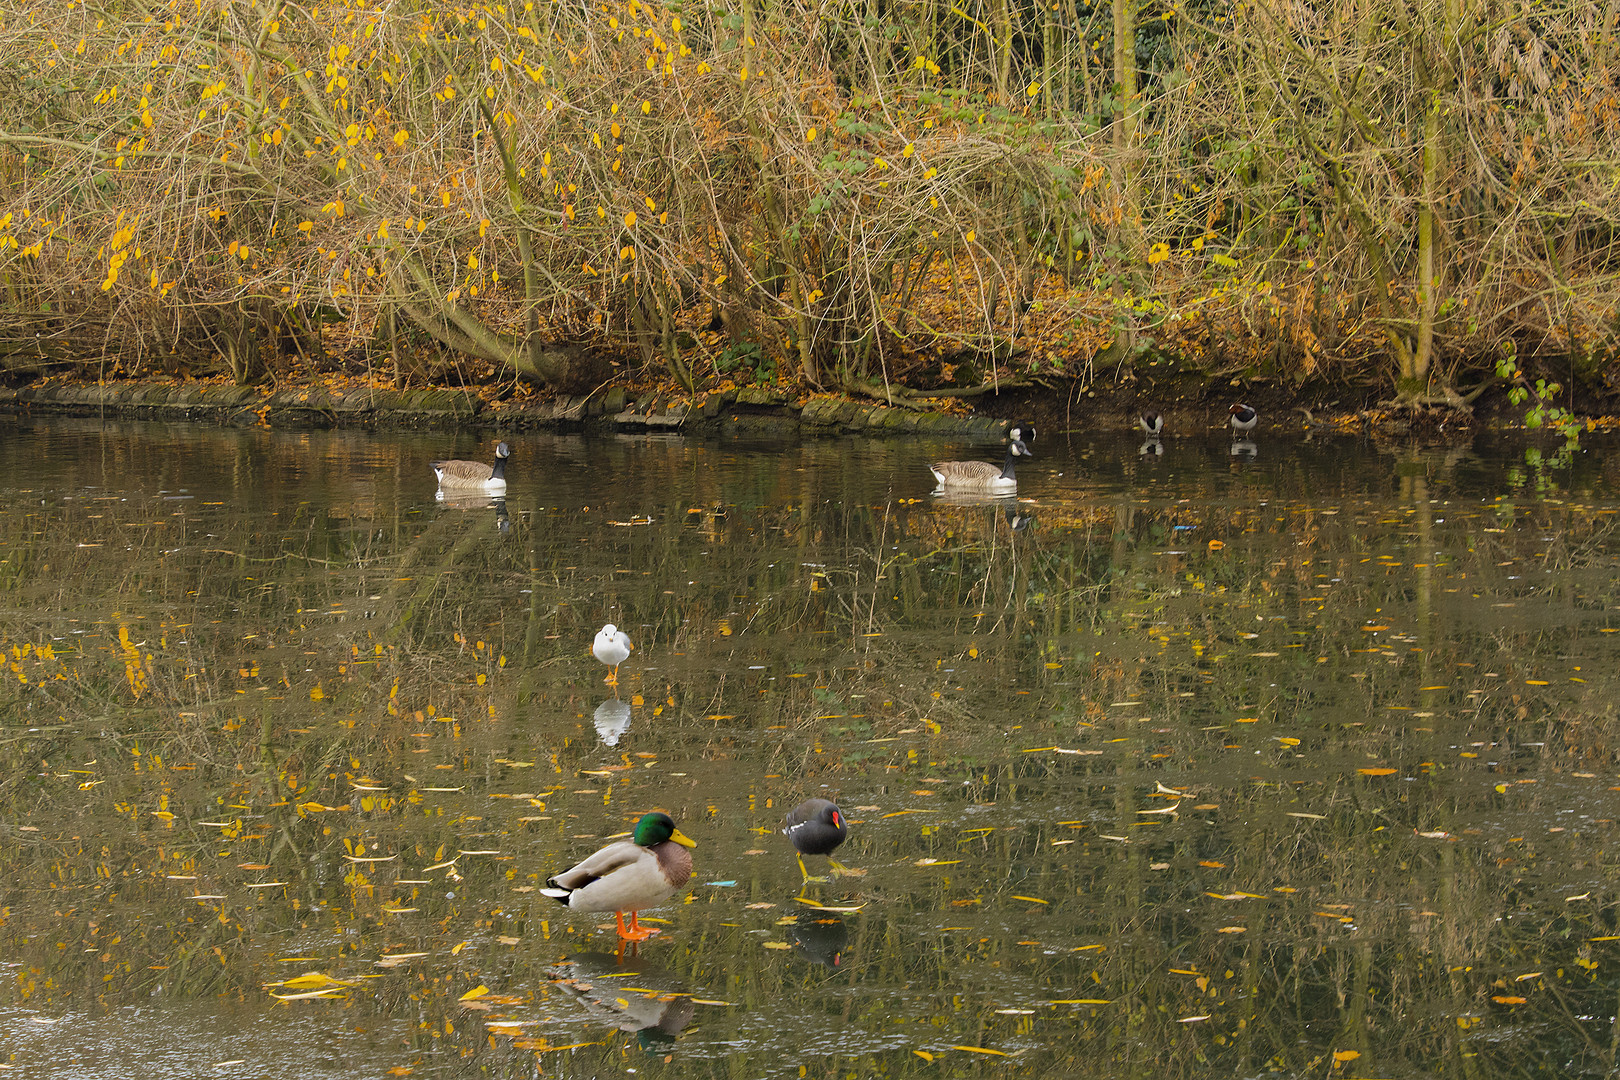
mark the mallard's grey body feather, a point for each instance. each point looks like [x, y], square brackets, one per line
[629, 875]
[624, 877]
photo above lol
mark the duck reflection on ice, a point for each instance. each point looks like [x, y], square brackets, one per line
[820, 939]
[630, 994]
[477, 500]
[612, 720]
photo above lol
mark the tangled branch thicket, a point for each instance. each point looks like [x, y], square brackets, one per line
[1387, 191]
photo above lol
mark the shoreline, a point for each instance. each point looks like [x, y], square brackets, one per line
[750, 409]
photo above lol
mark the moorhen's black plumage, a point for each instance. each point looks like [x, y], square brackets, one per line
[816, 827]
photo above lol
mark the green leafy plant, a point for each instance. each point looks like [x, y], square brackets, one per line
[746, 355]
[1542, 412]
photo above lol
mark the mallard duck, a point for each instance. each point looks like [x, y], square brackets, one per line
[816, 827]
[1152, 423]
[629, 875]
[983, 475]
[1243, 418]
[457, 475]
[612, 647]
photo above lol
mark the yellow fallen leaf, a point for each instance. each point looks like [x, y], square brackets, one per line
[310, 980]
[1346, 1055]
[1376, 772]
[476, 992]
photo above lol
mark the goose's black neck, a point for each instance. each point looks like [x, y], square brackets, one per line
[499, 472]
[1011, 464]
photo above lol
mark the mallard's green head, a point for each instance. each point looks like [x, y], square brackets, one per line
[653, 829]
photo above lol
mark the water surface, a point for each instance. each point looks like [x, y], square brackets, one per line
[1303, 761]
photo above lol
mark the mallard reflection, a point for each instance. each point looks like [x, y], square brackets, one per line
[628, 993]
[820, 939]
[612, 719]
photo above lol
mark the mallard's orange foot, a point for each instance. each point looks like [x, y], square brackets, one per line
[635, 931]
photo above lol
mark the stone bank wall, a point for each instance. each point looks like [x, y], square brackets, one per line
[751, 410]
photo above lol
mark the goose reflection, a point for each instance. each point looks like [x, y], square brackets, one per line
[477, 500]
[821, 939]
[947, 497]
[612, 719]
[630, 994]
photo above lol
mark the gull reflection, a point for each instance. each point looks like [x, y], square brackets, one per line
[612, 720]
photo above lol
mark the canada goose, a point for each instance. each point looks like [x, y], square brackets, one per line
[1243, 417]
[961, 476]
[612, 647]
[1151, 423]
[628, 875]
[474, 475]
[816, 827]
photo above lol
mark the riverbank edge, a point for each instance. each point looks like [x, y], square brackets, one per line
[746, 410]
[612, 408]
